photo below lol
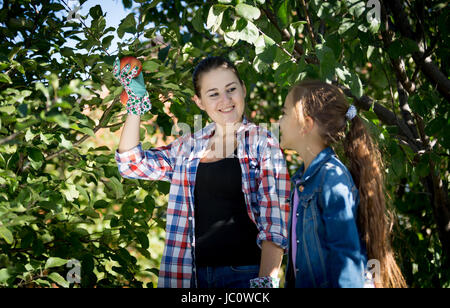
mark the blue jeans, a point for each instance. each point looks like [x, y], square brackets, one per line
[226, 276]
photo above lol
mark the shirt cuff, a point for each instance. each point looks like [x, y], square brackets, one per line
[277, 239]
[133, 155]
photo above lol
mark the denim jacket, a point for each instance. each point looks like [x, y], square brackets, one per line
[329, 250]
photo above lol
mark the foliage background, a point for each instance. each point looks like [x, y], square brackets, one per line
[61, 196]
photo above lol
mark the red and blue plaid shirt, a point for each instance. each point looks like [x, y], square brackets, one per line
[265, 183]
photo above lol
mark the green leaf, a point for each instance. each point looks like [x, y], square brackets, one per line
[35, 154]
[163, 53]
[198, 21]
[327, 60]
[5, 78]
[356, 7]
[423, 167]
[114, 222]
[8, 109]
[283, 13]
[143, 239]
[374, 26]
[4, 275]
[6, 235]
[150, 66]
[215, 16]
[90, 212]
[43, 283]
[345, 25]
[249, 33]
[59, 280]
[106, 41]
[356, 85]
[55, 262]
[127, 210]
[101, 204]
[96, 12]
[65, 143]
[118, 188]
[395, 49]
[127, 25]
[70, 192]
[247, 11]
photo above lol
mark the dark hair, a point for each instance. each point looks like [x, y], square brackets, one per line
[208, 64]
[327, 105]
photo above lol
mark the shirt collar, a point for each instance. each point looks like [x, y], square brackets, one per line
[208, 131]
[301, 176]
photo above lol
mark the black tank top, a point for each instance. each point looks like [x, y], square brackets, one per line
[225, 234]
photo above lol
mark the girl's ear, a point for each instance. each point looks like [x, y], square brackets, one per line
[308, 124]
[198, 101]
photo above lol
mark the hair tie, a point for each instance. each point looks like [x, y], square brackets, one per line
[351, 113]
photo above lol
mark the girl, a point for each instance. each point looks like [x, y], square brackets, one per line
[338, 218]
[228, 206]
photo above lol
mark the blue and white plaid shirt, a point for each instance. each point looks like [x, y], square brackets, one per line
[265, 183]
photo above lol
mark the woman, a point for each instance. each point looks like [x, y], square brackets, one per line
[228, 206]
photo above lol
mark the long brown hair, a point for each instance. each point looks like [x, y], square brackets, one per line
[327, 105]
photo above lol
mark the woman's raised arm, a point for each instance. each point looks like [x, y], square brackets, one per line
[130, 134]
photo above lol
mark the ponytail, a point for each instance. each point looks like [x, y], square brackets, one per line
[366, 167]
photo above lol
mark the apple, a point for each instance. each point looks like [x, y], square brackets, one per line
[133, 63]
[124, 97]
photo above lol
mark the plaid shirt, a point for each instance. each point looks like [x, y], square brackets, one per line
[265, 183]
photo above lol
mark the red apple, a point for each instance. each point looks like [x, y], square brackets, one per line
[124, 97]
[133, 63]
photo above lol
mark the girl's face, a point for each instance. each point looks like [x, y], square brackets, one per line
[291, 125]
[222, 96]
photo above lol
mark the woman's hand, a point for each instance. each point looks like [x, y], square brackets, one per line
[271, 258]
[138, 100]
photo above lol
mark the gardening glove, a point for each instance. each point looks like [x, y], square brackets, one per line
[265, 282]
[138, 100]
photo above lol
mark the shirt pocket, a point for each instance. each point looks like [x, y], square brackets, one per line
[308, 207]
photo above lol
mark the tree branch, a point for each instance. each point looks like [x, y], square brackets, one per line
[9, 138]
[308, 22]
[385, 115]
[397, 63]
[286, 36]
[407, 114]
[100, 125]
[428, 68]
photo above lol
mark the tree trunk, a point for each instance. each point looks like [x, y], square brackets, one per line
[441, 212]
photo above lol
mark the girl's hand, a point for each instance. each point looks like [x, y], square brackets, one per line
[138, 100]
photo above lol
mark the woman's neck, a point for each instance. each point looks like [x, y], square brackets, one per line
[226, 131]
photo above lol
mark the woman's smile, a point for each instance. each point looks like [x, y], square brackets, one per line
[227, 110]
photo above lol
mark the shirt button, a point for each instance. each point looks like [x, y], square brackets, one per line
[297, 214]
[298, 242]
[190, 218]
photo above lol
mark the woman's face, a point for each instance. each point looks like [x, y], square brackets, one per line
[291, 125]
[222, 96]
